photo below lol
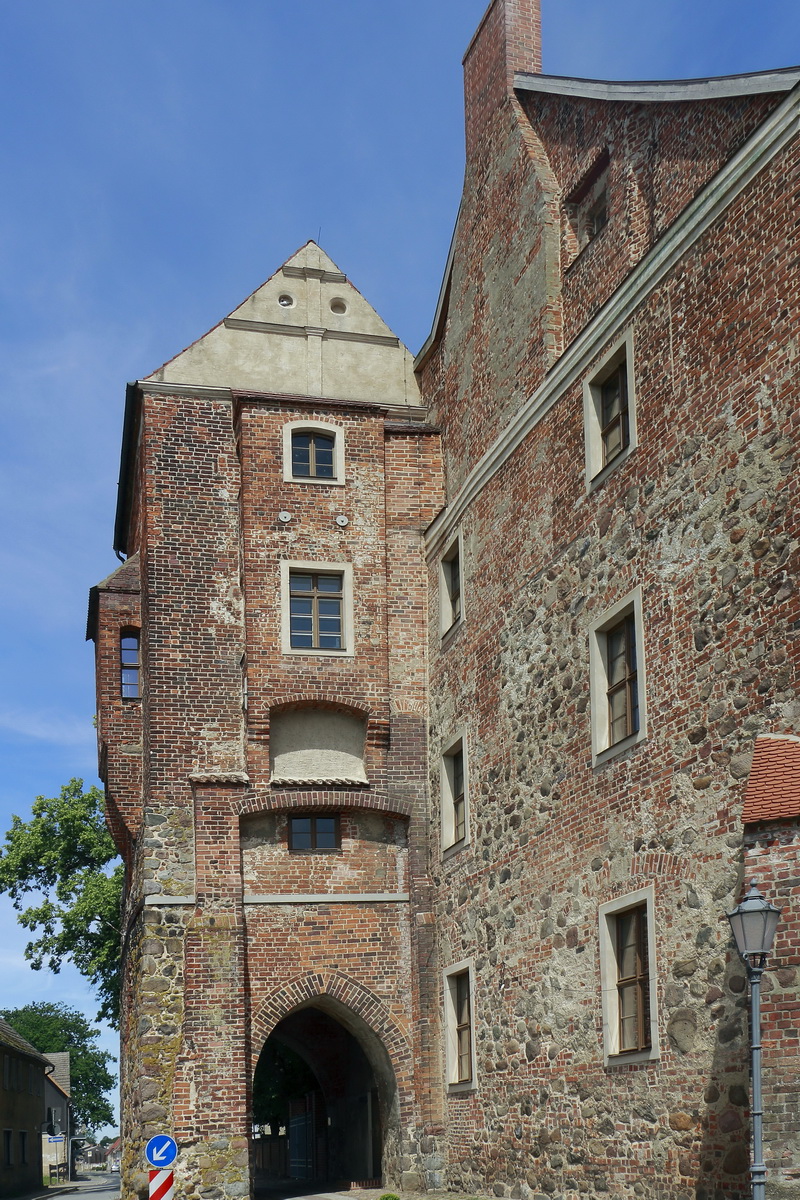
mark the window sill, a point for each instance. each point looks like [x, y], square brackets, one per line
[458, 1089]
[603, 756]
[309, 652]
[315, 479]
[454, 848]
[631, 1058]
[599, 479]
[451, 631]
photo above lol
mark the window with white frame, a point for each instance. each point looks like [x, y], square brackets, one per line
[317, 608]
[616, 665]
[453, 791]
[313, 453]
[451, 601]
[628, 978]
[610, 412]
[460, 1026]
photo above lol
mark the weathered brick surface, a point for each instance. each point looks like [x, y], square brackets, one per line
[224, 939]
[702, 517]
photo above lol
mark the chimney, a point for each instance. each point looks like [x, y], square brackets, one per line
[508, 39]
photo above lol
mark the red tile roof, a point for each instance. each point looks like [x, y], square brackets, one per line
[773, 789]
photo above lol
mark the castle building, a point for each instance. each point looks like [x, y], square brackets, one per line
[445, 705]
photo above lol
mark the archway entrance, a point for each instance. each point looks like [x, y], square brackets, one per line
[323, 1097]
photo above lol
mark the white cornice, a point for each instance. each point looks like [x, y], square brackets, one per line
[340, 335]
[767, 140]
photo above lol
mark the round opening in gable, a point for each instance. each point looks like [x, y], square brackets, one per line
[338, 306]
[285, 300]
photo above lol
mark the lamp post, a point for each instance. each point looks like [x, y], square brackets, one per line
[753, 924]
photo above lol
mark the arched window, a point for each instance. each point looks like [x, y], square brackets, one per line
[312, 455]
[129, 664]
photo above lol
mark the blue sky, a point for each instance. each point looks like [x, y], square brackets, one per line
[161, 159]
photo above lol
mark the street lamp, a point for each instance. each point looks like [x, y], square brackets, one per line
[753, 923]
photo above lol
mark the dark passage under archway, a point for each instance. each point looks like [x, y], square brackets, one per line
[319, 1109]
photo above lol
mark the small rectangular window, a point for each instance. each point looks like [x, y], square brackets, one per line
[23, 1147]
[622, 678]
[315, 611]
[615, 432]
[312, 832]
[460, 1027]
[451, 607]
[609, 413]
[8, 1159]
[633, 979]
[454, 795]
[617, 680]
[129, 663]
[627, 976]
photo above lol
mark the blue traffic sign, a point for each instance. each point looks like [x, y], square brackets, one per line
[161, 1150]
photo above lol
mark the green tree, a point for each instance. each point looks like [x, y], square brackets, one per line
[66, 857]
[52, 1028]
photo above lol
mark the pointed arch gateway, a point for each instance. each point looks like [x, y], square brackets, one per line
[327, 1055]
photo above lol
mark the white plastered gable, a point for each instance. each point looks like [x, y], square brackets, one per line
[307, 331]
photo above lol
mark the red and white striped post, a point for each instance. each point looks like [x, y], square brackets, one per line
[162, 1185]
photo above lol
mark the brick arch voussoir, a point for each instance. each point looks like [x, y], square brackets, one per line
[353, 995]
[284, 800]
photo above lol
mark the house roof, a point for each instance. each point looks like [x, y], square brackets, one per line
[10, 1037]
[661, 90]
[773, 789]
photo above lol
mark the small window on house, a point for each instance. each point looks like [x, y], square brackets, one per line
[23, 1147]
[609, 413]
[315, 608]
[622, 679]
[129, 663]
[615, 430]
[311, 832]
[586, 206]
[8, 1159]
[460, 1027]
[454, 795]
[630, 1028]
[313, 453]
[451, 606]
[616, 652]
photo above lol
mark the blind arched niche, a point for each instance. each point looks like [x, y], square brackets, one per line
[317, 746]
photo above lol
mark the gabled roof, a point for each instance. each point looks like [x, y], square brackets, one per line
[125, 578]
[773, 789]
[9, 1037]
[307, 331]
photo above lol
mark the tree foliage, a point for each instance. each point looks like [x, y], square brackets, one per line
[65, 856]
[52, 1028]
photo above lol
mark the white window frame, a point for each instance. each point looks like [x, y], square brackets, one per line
[621, 351]
[609, 976]
[446, 792]
[333, 431]
[447, 618]
[451, 1045]
[602, 749]
[319, 568]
